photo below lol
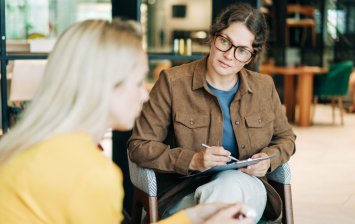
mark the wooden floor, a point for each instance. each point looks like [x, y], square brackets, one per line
[323, 169]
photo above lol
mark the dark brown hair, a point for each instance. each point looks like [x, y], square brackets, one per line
[253, 19]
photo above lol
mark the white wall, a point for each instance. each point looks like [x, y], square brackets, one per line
[198, 16]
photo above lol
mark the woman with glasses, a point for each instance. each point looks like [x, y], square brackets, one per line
[233, 111]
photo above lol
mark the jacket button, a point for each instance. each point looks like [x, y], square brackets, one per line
[243, 146]
[237, 123]
[259, 120]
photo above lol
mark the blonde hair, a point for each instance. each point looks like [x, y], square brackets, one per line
[88, 60]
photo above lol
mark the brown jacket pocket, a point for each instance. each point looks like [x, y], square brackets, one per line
[191, 130]
[192, 120]
[260, 129]
[259, 120]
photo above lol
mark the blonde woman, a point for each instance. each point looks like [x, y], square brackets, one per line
[50, 168]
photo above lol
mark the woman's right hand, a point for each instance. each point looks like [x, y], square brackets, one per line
[229, 215]
[209, 157]
[216, 213]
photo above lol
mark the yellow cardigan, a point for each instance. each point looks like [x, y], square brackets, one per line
[64, 179]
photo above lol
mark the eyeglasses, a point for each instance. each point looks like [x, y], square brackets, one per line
[241, 53]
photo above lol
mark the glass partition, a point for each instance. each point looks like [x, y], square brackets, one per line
[45, 19]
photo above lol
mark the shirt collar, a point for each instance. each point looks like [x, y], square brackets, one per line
[199, 77]
[244, 86]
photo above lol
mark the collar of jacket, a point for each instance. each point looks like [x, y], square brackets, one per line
[199, 77]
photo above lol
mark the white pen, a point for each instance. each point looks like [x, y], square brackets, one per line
[231, 157]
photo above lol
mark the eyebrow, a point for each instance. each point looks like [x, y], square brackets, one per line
[227, 37]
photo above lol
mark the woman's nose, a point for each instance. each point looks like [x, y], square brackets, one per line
[229, 54]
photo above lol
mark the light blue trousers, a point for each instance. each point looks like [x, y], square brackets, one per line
[228, 186]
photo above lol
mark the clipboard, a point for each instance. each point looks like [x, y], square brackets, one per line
[229, 166]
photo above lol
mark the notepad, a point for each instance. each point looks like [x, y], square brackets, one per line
[229, 166]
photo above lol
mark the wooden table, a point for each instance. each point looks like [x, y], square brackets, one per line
[304, 89]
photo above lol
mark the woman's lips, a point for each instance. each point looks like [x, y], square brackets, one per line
[224, 65]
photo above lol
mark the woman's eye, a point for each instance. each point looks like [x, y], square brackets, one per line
[243, 51]
[117, 85]
[225, 42]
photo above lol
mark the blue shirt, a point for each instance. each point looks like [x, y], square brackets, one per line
[229, 142]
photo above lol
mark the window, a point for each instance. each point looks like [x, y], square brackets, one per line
[30, 19]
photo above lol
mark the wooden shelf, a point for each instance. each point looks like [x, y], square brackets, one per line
[152, 56]
[26, 56]
[173, 57]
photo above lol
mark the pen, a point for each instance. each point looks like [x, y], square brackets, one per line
[231, 157]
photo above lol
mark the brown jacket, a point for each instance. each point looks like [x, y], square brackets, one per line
[182, 113]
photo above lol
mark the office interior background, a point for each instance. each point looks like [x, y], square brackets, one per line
[175, 32]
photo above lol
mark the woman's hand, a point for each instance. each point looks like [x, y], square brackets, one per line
[216, 213]
[259, 169]
[209, 157]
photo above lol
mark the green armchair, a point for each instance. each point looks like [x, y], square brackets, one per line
[333, 85]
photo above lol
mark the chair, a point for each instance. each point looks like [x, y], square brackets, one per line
[280, 179]
[333, 85]
[145, 192]
[306, 21]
